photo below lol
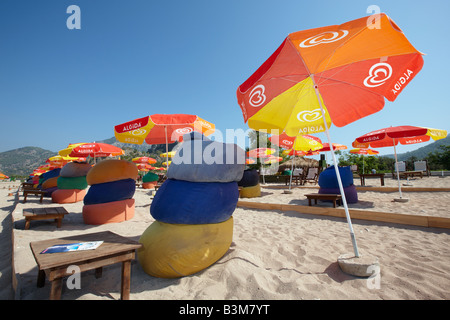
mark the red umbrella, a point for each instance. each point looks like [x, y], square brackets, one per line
[390, 137]
[145, 160]
[335, 74]
[161, 129]
[94, 149]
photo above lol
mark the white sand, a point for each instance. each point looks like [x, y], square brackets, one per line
[274, 255]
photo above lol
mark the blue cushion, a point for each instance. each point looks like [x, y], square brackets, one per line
[249, 179]
[351, 195]
[328, 179]
[184, 202]
[110, 191]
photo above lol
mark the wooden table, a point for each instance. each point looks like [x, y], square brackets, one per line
[407, 174]
[297, 179]
[371, 175]
[26, 192]
[324, 196]
[56, 213]
[113, 250]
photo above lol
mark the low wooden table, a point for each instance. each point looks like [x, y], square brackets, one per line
[371, 175]
[113, 250]
[297, 179]
[26, 192]
[324, 196]
[56, 213]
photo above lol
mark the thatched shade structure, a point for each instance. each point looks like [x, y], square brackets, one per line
[299, 162]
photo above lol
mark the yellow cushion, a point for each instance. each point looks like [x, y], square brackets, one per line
[112, 170]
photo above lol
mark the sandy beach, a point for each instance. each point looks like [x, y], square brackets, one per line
[275, 255]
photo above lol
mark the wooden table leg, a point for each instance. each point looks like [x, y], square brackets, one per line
[382, 181]
[126, 277]
[25, 197]
[27, 223]
[58, 221]
[55, 293]
[98, 272]
[309, 202]
[41, 279]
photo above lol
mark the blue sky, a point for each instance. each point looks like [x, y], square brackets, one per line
[133, 58]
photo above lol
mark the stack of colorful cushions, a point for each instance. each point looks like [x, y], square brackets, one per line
[48, 181]
[250, 184]
[150, 180]
[110, 195]
[328, 183]
[193, 209]
[71, 183]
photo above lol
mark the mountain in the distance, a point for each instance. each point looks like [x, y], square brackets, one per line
[23, 161]
[422, 152]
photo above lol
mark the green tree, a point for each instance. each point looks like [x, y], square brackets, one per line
[439, 160]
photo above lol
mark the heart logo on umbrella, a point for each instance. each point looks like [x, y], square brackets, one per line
[374, 79]
[309, 116]
[257, 96]
[321, 38]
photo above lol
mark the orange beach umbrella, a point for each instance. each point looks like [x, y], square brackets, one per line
[335, 74]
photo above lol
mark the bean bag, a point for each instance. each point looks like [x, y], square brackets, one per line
[72, 183]
[185, 202]
[110, 191]
[250, 178]
[177, 250]
[250, 192]
[50, 183]
[75, 169]
[112, 170]
[110, 212]
[50, 174]
[200, 159]
[149, 185]
[49, 191]
[351, 195]
[328, 179]
[68, 195]
[150, 177]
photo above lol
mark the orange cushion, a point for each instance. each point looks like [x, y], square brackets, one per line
[109, 212]
[50, 183]
[112, 170]
[149, 185]
[68, 195]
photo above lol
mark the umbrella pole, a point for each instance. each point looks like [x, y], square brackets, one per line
[396, 169]
[292, 171]
[341, 188]
[167, 150]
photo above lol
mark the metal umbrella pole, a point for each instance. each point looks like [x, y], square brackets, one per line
[341, 188]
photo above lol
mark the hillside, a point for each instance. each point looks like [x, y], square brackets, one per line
[23, 161]
[422, 152]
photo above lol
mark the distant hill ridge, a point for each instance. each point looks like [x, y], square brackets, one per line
[23, 161]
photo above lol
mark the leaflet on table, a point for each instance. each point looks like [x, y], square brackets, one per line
[73, 247]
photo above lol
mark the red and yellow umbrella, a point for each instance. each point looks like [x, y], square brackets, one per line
[161, 129]
[364, 151]
[390, 137]
[94, 149]
[144, 160]
[335, 74]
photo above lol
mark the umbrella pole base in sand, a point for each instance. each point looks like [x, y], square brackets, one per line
[401, 199]
[362, 266]
[287, 191]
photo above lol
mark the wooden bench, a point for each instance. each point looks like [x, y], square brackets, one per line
[26, 185]
[371, 175]
[324, 196]
[407, 174]
[56, 213]
[55, 266]
[26, 192]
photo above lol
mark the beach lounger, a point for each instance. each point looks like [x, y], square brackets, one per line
[312, 176]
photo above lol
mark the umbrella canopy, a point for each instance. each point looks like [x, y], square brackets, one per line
[364, 151]
[260, 152]
[94, 149]
[390, 137]
[336, 74]
[144, 160]
[347, 70]
[161, 129]
[3, 176]
[169, 154]
[300, 142]
[336, 146]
